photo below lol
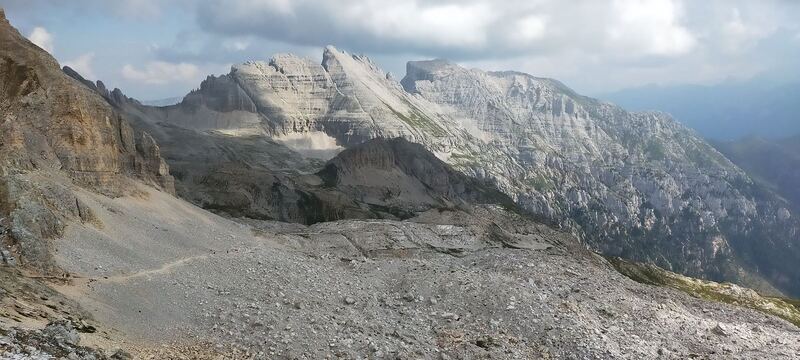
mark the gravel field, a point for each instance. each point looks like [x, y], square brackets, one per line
[383, 289]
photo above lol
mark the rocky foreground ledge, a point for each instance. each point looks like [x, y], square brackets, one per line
[447, 284]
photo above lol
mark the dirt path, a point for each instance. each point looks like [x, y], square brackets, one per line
[166, 268]
[79, 285]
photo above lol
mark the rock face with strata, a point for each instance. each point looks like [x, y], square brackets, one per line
[346, 97]
[254, 176]
[52, 127]
[51, 122]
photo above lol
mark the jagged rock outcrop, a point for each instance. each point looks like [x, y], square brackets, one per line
[347, 97]
[51, 129]
[50, 122]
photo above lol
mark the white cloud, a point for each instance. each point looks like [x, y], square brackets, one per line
[42, 38]
[236, 44]
[738, 34]
[161, 72]
[471, 28]
[441, 25]
[83, 65]
[650, 27]
[138, 9]
[595, 45]
[530, 28]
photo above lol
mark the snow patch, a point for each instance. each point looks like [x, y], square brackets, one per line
[315, 144]
[241, 132]
[471, 127]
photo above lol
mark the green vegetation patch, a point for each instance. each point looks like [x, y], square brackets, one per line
[540, 183]
[418, 120]
[787, 309]
[465, 159]
[655, 150]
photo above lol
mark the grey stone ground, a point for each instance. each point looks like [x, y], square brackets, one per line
[387, 289]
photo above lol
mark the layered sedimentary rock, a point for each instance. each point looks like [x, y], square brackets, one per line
[51, 122]
[346, 97]
[52, 127]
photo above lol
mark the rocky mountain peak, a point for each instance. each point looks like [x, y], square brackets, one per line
[291, 63]
[115, 97]
[648, 164]
[426, 70]
[347, 97]
[359, 69]
[332, 58]
[62, 123]
[332, 55]
[502, 82]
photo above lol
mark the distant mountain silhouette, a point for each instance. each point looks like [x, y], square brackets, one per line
[727, 111]
[775, 163]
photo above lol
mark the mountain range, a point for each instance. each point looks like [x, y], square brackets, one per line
[637, 185]
[302, 209]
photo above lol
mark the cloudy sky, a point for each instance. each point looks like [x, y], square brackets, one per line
[155, 49]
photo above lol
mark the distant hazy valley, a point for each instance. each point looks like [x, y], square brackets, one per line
[772, 162]
[728, 111]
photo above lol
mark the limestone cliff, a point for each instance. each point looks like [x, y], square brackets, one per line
[52, 127]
